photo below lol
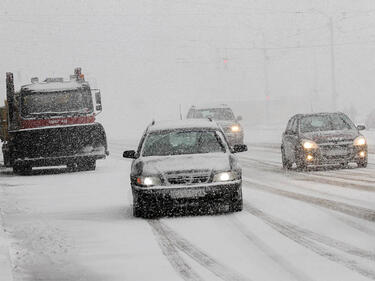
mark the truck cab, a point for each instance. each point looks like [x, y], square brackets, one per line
[52, 123]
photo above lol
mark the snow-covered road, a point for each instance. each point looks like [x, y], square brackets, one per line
[316, 225]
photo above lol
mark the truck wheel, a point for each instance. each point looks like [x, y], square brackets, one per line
[22, 169]
[86, 165]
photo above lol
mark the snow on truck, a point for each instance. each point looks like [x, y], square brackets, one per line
[52, 123]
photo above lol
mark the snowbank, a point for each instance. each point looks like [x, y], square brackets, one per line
[5, 267]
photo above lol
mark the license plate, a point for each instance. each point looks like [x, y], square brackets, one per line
[336, 152]
[187, 193]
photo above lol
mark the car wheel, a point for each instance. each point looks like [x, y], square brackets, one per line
[301, 165]
[286, 164]
[237, 206]
[362, 164]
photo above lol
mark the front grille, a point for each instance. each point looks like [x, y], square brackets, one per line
[335, 150]
[188, 178]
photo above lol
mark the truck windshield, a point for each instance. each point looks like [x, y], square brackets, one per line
[56, 103]
[214, 113]
[178, 142]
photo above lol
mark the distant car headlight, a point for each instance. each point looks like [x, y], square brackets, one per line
[235, 128]
[309, 144]
[359, 141]
[226, 176]
[148, 181]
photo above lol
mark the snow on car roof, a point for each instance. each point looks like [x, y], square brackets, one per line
[183, 124]
[53, 86]
[317, 114]
[207, 106]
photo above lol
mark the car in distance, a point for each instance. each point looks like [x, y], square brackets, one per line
[323, 139]
[185, 166]
[224, 116]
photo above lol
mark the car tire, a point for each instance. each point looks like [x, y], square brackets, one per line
[362, 164]
[286, 164]
[237, 206]
[301, 165]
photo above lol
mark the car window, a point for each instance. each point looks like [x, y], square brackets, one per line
[294, 125]
[289, 125]
[325, 123]
[214, 113]
[177, 142]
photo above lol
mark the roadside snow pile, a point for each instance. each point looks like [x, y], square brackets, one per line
[5, 266]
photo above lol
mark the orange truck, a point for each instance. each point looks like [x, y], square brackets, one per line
[52, 123]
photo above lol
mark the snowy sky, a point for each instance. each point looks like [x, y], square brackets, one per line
[147, 56]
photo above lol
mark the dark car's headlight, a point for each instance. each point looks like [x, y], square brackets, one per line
[226, 176]
[148, 180]
[360, 141]
[309, 144]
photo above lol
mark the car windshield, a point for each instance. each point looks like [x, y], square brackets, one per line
[325, 123]
[214, 113]
[176, 142]
[55, 103]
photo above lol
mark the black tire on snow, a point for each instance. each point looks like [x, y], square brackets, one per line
[286, 164]
[362, 164]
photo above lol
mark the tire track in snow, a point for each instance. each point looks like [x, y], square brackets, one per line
[300, 238]
[359, 212]
[286, 182]
[294, 272]
[325, 179]
[217, 268]
[171, 253]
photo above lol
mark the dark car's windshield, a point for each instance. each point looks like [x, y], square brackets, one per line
[55, 103]
[325, 123]
[177, 142]
[214, 113]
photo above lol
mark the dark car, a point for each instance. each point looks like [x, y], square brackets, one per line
[323, 139]
[224, 116]
[185, 167]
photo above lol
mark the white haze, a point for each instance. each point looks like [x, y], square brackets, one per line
[149, 56]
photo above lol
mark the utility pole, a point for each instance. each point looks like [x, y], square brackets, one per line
[333, 66]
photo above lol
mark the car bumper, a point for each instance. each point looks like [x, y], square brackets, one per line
[352, 154]
[168, 199]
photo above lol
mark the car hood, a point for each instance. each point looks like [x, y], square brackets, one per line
[331, 136]
[175, 163]
[226, 123]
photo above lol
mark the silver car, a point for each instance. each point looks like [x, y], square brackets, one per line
[185, 167]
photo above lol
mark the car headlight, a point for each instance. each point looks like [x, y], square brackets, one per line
[359, 141]
[226, 176]
[148, 181]
[235, 128]
[309, 144]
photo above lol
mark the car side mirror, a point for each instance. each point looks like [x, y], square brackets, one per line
[98, 100]
[361, 127]
[239, 118]
[239, 148]
[129, 154]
